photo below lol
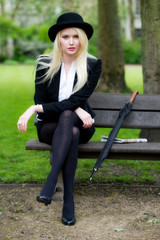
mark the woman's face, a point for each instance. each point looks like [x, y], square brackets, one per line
[69, 41]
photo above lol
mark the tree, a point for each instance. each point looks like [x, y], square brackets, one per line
[130, 6]
[150, 14]
[110, 47]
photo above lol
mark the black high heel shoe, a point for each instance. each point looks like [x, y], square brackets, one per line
[44, 199]
[68, 222]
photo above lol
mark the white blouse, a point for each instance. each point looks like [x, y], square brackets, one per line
[66, 82]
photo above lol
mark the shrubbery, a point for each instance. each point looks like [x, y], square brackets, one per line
[34, 41]
[132, 52]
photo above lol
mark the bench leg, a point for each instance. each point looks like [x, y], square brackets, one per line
[58, 196]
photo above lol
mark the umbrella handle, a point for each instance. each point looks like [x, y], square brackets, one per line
[133, 96]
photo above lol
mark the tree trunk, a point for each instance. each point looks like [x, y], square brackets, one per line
[150, 14]
[110, 47]
[133, 35]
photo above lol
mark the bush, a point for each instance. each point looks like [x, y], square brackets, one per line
[92, 49]
[30, 33]
[29, 49]
[2, 58]
[29, 61]
[42, 34]
[10, 62]
[24, 60]
[47, 50]
[132, 51]
[20, 59]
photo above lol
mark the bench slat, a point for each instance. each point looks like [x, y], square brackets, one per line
[134, 120]
[35, 144]
[133, 151]
[117, 101]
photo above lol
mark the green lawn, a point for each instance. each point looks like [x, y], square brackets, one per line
[134, 78]
[19, 165]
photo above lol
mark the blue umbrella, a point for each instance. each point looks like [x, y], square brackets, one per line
[122, 115]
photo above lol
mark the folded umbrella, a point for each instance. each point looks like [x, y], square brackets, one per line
[122, 115]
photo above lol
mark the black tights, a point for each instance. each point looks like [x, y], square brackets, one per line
[64, 137]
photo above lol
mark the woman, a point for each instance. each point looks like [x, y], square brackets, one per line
[65, 79]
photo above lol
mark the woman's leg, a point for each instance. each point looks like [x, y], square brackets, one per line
[61, 145]
[47, 131]
[68, 171]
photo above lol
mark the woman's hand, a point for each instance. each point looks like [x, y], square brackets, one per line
[23, 120]
[85, 117]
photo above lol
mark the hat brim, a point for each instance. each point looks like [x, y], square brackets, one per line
[53, 30]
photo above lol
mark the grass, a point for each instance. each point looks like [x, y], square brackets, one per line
[19, 165]
[134, 78]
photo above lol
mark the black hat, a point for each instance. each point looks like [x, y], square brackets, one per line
[67, 20]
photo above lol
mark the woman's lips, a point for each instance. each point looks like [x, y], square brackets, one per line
[71, 48]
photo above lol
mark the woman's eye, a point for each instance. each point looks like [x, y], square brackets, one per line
[65, 37]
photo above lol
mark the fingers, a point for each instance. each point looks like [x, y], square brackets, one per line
[22, 125]
[23, 120]
[85, 117]
[87, 123]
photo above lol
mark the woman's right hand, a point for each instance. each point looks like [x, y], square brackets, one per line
[85, 117]
[23, 120]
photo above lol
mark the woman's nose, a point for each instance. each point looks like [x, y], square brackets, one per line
[71, 41]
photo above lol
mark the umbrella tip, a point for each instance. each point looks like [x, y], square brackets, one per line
[91, 177]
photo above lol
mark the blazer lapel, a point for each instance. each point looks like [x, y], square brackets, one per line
[53, 88]
[75, 81]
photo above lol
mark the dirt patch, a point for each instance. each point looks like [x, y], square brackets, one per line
[103, 212]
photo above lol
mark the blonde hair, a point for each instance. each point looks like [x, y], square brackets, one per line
[53, 60]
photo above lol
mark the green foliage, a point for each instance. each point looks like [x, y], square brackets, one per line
[132, 52]
[29, 61]
[2, 58]
[30, 33]
[33, 40]
[48, 50]
[29, 49]
[8, 29]
[10, 62]
[36, 32]
[92, 49]
[42, 34]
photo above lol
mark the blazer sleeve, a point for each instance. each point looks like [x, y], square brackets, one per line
[40, 95]
[78, 98]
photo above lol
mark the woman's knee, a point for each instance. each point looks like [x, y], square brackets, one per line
[67, 114]
[69, 118]
[76, 133]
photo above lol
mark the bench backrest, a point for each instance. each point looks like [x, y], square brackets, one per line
[145, 112]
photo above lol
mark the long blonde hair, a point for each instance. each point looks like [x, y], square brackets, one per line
[53, 60]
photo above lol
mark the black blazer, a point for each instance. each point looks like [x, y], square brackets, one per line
[47, 94]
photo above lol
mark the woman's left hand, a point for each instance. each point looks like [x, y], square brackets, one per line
[85, 117]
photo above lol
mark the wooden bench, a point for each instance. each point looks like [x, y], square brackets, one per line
[145, 114]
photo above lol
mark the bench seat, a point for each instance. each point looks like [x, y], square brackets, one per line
[130, 151]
